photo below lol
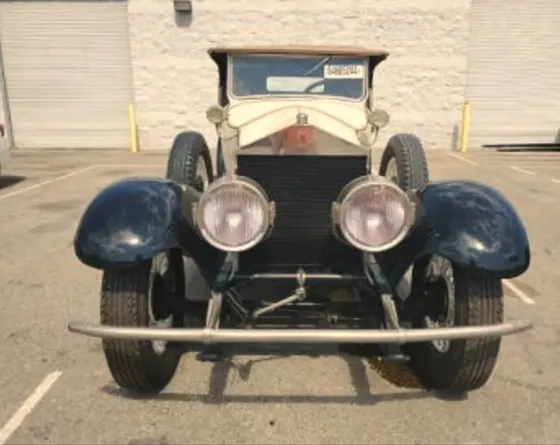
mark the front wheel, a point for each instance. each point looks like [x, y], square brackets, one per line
[458, 298]
[404, 162]
[189, 161]
[140, 297]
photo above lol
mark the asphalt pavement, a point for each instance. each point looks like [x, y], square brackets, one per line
[56, 388]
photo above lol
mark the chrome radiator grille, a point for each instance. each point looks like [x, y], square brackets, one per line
[303, 188]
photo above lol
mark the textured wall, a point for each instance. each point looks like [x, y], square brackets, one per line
[421, 84]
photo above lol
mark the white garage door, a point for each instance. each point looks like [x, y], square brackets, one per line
[513, 78]
[68, 72]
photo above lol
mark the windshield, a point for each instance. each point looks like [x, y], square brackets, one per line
[315, 76]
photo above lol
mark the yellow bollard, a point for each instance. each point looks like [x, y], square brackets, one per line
[132, 131]
[465, 126]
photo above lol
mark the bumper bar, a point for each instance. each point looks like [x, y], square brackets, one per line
[208, 335]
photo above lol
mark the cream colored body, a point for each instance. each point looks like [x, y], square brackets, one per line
[250, 120]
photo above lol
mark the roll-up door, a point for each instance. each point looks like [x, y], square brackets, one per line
[68, 72]
[513, 75]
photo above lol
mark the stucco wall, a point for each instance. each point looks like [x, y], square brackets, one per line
[421, 84]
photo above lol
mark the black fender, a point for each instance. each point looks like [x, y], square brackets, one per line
[133, 220]
[469, 223]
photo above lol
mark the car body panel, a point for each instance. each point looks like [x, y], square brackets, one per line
[256, 119]
[135, 219]
[475, 226]
[469, 223]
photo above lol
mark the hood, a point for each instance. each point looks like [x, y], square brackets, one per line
[256, 119]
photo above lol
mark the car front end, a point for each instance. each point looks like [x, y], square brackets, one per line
[297, 213]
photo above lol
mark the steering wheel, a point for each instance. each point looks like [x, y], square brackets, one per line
[313, 85]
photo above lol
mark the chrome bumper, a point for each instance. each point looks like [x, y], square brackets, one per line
[216, 335]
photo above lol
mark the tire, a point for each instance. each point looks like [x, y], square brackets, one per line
[188, 155]
[189, 160]
[465, 365]
[139, 365]
[409, 158]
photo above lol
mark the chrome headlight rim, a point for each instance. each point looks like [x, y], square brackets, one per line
[216, 114]
[256, 190]
[357, 185]
[379, 118]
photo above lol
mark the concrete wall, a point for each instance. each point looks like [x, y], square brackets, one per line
[421, 84]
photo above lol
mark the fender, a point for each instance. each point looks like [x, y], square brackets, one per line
[133, 220]
[471, 224]
[475, 226]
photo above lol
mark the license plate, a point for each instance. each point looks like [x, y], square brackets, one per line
[343, 71]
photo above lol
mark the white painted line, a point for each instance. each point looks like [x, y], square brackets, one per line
[50, 181]
[522, 170]
[518, 293]
[28, 406]
[556, 181]
[461, 158]
[132, 165]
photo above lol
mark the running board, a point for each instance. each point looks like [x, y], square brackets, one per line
[211, 335]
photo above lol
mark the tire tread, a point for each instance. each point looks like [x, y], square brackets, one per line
[411, 161]
[468, 364]
[187, 147]
[124, 302]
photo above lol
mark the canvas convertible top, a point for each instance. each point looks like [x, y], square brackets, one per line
[218, 54]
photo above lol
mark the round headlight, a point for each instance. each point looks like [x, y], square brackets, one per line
[374, 214]
[215, 114]
[379, 118]
[233, 214]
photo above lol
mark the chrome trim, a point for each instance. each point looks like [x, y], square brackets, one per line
[354, 186]
[308, 276]
[241, 181]
[209, 335]
[211, 114]
[376, 113]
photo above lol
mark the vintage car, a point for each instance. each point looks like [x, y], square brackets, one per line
[303, 235]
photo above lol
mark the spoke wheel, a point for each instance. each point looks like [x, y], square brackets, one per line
[457, 297]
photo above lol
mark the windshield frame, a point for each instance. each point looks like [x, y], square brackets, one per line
[232, 96]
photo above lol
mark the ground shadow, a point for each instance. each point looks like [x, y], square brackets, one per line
[7, 181]
[223, 371]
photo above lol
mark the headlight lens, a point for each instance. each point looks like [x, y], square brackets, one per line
[233, 214]
[375, 215]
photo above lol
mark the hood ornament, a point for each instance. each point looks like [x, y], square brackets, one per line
[301, 119]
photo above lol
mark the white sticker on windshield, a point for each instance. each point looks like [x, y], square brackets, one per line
[344, 72]
[287, 84]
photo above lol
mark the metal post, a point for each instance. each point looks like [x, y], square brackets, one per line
[132, 129]
[465, 126]
[5, 103]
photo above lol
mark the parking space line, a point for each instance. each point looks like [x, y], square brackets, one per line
[522, 170]
[461, 158]
[518, 292]
[131, 165]
[28, 406]
[50, 181]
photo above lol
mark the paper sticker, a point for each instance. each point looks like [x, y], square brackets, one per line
[344, 72]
